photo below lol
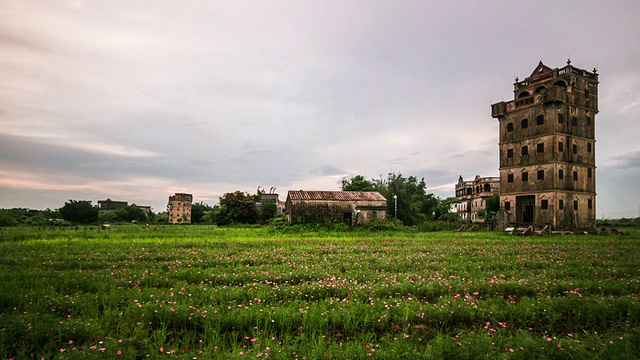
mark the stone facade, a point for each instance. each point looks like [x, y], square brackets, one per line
[179, 208]
[350, 207]
[547, 149]
[472, 196]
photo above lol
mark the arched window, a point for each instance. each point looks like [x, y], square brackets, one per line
[487, 187]
[560, 83]
[540, 88]
[523, 94]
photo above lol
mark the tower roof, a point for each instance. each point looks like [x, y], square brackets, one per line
[541, 69]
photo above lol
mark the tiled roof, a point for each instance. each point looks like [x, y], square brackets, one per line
[337, 195]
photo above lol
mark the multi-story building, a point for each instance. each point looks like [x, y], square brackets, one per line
[105, 206]
[179, 208]
[547, 149]
[473, 194]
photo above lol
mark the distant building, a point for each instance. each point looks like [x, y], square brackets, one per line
[272, 198]
[473, 194]
[547, 149]
[146, 209]
[105, 206]
[350, 207]
[179, 208]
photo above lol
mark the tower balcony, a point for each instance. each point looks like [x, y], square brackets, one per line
[499, 109]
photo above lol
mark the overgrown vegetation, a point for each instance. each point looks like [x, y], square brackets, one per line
[391, 292]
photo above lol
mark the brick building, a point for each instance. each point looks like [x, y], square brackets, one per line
[547, 149]
[350, 207]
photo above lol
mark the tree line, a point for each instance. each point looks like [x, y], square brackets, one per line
[408, 203]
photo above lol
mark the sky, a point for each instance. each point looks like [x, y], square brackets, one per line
[135, 100]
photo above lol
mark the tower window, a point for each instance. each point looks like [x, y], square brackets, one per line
[560, 118]
[560, 204]
[560, 146]
[575, 204]
[525, 176]
[590, 203]
[507, 205]
[561, 174]
[524, 123]
[540, 148]
[588, 120]
[544, 204]
[540, 120]
[510, 178]
[525, 150]
[590, 172]
[589, 147]
[509, 153]
[510, 127]
[575, 176]
[575, 148]
[574, 121]
[540, 174]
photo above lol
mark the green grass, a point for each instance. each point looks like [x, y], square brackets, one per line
[207, 292]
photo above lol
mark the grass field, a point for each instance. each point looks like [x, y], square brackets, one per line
[204, 292]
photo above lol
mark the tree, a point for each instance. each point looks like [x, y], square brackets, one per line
[414, 204]
[239, 207]
[198, 210]
[79, 212]
[267, 210]
[357, 183]
[443, 210]
[493, 204]
[7, 219]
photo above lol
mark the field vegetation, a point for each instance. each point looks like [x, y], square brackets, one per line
[136, 291]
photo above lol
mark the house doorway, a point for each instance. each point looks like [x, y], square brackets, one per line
[525, 206]
[346, 218]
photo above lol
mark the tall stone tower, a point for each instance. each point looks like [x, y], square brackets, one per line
[179, 208]
[547, 149]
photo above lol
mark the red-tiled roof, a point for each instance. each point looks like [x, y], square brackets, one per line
[336, 195]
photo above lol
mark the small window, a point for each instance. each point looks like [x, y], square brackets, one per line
[540, 120]
[524, 123]
[560, 118]
[525, 176]
[507, 205]
[540, 174]
[590, 172]
[574, 121]
[544, 204]
[588, 120]
[560, 204]
[590, 203]
[510, 127]
[575, 148]
[510, 178]
[560, 146]
[575, 176]
[509, 153]
[575, 204]
[525, 150]
[540, 148]
[560, 174]
[589, 147]
[586, 93]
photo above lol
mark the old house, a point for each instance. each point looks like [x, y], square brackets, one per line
[547, 149]
[350, 207]
[473, 195]
[179, 208]
[105, 206]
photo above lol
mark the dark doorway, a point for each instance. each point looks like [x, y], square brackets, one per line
[525, 206]
[346, 218]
